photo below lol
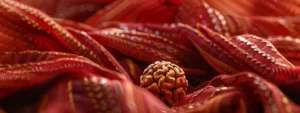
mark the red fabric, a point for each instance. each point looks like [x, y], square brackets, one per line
[87, 56]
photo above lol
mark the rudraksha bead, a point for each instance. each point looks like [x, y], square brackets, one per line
[165, 80]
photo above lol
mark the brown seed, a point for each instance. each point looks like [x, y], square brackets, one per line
[165, 80]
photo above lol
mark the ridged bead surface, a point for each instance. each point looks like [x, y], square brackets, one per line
[165, 80]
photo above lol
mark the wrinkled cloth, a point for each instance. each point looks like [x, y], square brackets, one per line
[87, 56]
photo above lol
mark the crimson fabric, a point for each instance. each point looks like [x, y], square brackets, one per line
[87, 56]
